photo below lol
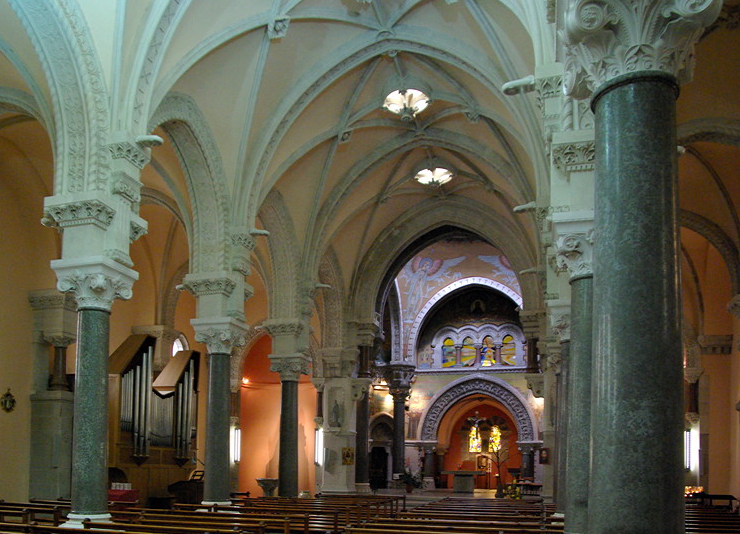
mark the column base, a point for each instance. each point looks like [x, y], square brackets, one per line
[363, 487]
[75, 520]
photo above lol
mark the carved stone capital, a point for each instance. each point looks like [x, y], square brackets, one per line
[604, 39]
[95, 281]
[367, 333]
[574, 242]
[290, 366]
[560, 323]
[692, 374]
[399, 377]
[219, 334]
[360, 388]
[280, 327]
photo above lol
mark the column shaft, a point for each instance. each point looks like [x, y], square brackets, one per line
[89, 455]
[637, 413]
[216, 482]
[578, 449]
[561, 428]
[399, 438]
[362, 453]
[288, 458]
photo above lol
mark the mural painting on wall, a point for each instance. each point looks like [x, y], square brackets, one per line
[444, 263]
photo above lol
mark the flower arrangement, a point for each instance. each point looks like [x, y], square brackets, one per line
[410, 479]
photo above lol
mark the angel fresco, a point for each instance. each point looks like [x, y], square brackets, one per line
[422, 271]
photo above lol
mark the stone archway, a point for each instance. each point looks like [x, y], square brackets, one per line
[491, 386]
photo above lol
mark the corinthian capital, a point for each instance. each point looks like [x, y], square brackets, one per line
[220, 334]
[95, 281]
[290, 366]
[607, 38]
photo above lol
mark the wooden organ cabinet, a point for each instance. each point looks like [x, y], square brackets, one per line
[152, 415]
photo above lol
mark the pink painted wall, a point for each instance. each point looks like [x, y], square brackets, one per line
[260, 423]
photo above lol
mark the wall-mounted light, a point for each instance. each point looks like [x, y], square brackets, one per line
[236, 444]
[318, 453]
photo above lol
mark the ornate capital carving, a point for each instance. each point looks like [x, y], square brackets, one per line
[95, 281]
[220, 334]
[399, 377]
[607, 38]
[90, 211]
[574, 242]
[290, 367]
[560, 324]
[572, 157]
[278, 327]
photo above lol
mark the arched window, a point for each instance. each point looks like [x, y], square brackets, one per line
[474, 441]
[448, 353]
[180, 343]
[494, 440]
[508, 350]
[487, 352]
[467, 354]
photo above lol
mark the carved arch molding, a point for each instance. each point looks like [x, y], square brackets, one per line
[479, 386]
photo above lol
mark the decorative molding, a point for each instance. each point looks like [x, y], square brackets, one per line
[200, 286]
[95, 281]
[575, 252]
[290, 367]
[52, 300]
[604, 39]
[574, 157]
[131, 152]
[281, 327]
[78, 213]
[278, 27]
[479, 385]
[715, 344]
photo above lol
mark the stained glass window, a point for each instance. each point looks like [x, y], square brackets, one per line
[467, 354]
[508, 350]
[474, 441]
[494, 440]
[449, 358]
[487, 352]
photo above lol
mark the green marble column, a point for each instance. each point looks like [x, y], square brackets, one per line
[561, 432]
[637, 411]
[399, 419]
[216, 480]
[288, 456]
[362, 423]
[578, 450]
[90, 427]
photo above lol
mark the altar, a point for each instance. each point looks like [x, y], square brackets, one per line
[463, 481]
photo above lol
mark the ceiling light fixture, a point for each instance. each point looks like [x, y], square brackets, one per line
[407, 103]
[434, 176]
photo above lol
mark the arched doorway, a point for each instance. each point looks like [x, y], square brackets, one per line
[451, 414]
[381, 441]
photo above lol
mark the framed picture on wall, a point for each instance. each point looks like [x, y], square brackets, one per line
[545, 456]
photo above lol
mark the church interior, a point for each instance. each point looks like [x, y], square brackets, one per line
[323, 245]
